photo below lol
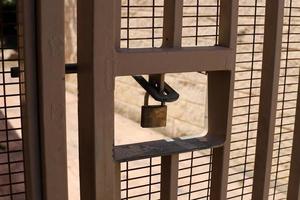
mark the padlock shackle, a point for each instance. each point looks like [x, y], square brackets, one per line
[167, 95]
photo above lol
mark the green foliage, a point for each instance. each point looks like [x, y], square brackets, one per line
[8, 2]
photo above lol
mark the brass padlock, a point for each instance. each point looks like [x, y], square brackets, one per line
[153, 116]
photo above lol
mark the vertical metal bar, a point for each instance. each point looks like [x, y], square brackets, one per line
[220, 159]
[228, 24]
[169, 177]
[51, 77]
[294, 180]
[172, 35]
[29, 102]
[97, 40]
[268, 98]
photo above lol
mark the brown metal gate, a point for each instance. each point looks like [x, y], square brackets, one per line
[252, 151]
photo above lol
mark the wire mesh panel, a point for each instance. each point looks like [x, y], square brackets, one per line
[287, 98]
[141, 27]
[246, 100]
[141, 179]
[200, 22]
[194, 175]
[247, 89]
[11, 143]
[141, 23]
[200, 28]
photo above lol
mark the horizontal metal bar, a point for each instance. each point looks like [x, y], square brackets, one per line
[161, 60]
[143, 150]
[71, 68]
[175, 60]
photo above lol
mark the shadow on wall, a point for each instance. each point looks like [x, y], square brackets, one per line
[11, 162]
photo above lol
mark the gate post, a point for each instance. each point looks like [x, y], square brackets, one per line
[52, 109]
[221, 155]
[97, 40]
[29, 100]
[294, 180]
[172, 34]
[268, 98]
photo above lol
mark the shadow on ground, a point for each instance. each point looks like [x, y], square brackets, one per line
[11, 162]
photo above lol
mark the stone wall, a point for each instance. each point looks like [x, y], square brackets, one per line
[70, 31]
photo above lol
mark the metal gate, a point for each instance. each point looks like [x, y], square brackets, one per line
[250, 51]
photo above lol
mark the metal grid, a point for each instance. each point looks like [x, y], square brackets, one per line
[141, 27]
[246, 100]
[141, 179]
[141, 23]
[194, 175]
[200, 28]
[200, 22]
[12, 178]
[287, 98]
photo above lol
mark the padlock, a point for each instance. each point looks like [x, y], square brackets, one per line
[153, 116]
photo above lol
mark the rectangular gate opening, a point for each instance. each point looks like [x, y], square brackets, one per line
[186, 117]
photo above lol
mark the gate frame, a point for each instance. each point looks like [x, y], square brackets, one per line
[43, 105]
[100, 60]
[294, 181]
[52, 108]
[28, 75]
[101, 173]
[268, 98]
